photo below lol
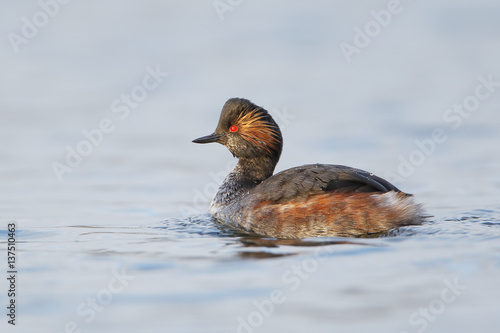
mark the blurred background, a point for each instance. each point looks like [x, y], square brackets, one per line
[100, 100]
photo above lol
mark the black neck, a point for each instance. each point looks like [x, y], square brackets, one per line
[251, 172]
[247, 174]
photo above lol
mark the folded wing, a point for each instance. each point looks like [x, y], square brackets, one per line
[307, 180]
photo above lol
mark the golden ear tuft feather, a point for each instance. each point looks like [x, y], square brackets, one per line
[256, 130]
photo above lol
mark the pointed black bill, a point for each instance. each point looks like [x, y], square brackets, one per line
[208, 139]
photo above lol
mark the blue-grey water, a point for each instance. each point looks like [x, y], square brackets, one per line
[99, 103]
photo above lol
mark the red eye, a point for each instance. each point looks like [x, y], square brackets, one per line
[233, 129]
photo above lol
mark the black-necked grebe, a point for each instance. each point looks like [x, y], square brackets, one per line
[307, 201]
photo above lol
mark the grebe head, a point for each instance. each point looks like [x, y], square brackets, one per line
[247, 130]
